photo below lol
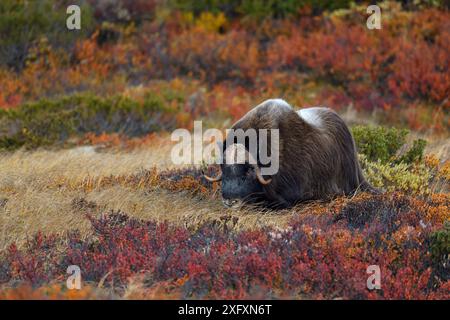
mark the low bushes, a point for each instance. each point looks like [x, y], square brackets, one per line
[23, 23]
[440, 250]
[323, 253]
[47, 122]
[413, 178]
[51, 121]
[383, 144]
[392, 164]
[401, 70]
[264, 9]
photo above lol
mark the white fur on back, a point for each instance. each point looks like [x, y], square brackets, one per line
[278, 102]
[311, 115]
[275, 107]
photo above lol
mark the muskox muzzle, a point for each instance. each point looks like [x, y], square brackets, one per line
[242, 181]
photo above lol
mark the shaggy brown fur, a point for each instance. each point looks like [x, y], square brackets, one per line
[318, 157]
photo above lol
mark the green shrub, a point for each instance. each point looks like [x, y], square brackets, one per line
[52, 121]
[420, 4]
[258, 9]
[386, 167]
[414, 154]
[411, 178]
[216, 6]
[382, 144]
[281, 9]
[440, 245]
[378, 143]
[124, 11]
[24, 22]
[440, 250]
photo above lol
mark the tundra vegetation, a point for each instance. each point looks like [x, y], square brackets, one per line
[85, 171]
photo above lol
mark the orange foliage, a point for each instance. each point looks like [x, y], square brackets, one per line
[50, 292]
[225, 66]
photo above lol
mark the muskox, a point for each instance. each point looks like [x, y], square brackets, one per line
[317, 158]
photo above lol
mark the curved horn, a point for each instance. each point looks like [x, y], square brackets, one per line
[259, 175]
[210, 179]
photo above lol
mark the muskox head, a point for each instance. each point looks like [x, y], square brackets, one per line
[242, 181]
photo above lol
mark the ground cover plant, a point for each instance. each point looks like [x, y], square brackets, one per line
[86, 176]
[320, 254]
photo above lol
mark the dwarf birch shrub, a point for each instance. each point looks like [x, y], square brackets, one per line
[383, 144]
[415, 178]
[49, 122]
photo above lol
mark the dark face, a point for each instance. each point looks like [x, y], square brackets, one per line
[240, 185]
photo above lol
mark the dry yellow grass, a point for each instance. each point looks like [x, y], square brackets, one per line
[38, 188]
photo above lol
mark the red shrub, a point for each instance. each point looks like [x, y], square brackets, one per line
[324, 253]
